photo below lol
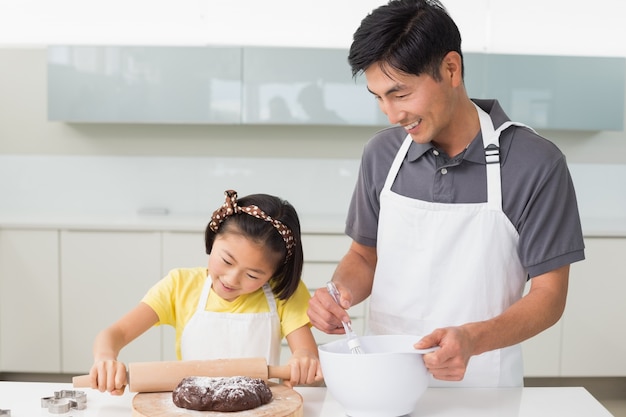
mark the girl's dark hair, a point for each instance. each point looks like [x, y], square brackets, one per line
[286, 278]
[412, 36]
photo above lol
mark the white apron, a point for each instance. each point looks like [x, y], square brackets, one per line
[443, 265]
[211, 335]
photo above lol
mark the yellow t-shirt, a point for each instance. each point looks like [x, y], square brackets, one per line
[175, 299]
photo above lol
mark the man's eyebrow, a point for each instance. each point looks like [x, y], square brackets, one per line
[394, 89]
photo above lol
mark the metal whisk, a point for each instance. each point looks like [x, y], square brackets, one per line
[353, 340]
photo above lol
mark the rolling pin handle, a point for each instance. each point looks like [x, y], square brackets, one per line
[281, 372]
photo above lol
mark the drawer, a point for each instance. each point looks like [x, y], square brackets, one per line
[316, 275]
[324, 248]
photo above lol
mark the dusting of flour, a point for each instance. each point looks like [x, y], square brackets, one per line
[232, 388]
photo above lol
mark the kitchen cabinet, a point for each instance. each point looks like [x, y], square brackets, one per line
[104, 274]
[180, 250]
[144, 84]
[594, 340]
[183, 250]
[309, 86]
[322, 253]
[29, 301]
[59, 287]
[542, 353]
[312, 86]
[202, 84]
[551, 92]
[588, 341]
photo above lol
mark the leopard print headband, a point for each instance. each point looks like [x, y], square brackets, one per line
[230, 207]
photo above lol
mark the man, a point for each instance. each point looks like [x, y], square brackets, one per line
[454, 209]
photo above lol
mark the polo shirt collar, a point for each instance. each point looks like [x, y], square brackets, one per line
[416, 150]
[475, 152]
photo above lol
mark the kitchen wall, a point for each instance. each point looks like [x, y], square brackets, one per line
[507, 26]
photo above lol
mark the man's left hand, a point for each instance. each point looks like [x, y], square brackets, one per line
[448, 363]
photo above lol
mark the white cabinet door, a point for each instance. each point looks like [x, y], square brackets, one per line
[104, 275]
[322, 253]
[542, 353]
[180, 250]
[324, 247]
[594, 325]
[29, 301]
[183, 250]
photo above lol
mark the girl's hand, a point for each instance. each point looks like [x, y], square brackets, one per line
[305, 368]
[108, 375]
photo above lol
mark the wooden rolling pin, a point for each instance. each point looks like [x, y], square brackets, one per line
[165, 376]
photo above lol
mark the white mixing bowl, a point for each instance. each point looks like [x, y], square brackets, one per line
[386, 381]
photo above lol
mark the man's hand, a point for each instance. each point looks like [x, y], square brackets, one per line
[325, 314]
[448, 363]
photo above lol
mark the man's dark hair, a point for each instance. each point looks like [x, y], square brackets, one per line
[412, 36]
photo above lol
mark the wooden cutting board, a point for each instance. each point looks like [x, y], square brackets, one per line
[286, 403]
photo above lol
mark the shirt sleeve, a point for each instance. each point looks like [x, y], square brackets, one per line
[175, 297]
[160, 298]
[551, 232]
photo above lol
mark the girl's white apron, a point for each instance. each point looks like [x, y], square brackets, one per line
[211, 335]
[443, 265]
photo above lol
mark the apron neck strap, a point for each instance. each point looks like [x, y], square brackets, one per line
[491, 144]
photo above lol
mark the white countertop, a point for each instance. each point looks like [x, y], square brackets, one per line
[24, 400]
[310, 223]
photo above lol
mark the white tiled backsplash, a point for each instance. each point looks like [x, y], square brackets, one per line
[50, 185]
[600, 189]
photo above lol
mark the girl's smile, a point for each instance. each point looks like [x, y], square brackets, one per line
[239, 265]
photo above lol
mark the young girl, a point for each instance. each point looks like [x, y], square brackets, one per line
[250, 297]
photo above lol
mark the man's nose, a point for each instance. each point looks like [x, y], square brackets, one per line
[394, 115]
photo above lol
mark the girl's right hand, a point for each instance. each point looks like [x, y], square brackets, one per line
[108, 375]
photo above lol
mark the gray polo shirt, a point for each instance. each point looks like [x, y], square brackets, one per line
[537, 192]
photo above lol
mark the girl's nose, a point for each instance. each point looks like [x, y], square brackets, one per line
[231, 281]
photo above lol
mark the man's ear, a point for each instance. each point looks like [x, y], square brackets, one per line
[452, 68]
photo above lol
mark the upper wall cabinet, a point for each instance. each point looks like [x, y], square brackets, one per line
[123, 84]
[310, 86]
[206, 85]
[551, 92]
[305, 86]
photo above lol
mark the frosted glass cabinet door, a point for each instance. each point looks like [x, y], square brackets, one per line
[147, 84]
[552, 92]
[304, 86]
